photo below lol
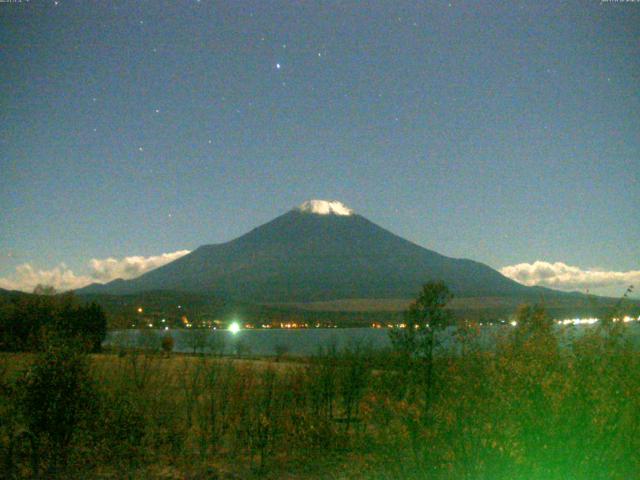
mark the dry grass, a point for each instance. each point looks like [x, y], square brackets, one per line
[521, 411]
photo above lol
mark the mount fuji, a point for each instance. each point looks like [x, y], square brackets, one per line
[321, 250]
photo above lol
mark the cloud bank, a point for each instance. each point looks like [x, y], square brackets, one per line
[26, 278]
[109, 269]
[62, 278]
[567, 277]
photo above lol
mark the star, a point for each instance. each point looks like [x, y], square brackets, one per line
[157, 110]
[140, 149]
[278, 66]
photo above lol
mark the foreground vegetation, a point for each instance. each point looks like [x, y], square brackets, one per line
[29, 322]
[527, 409]
[539, 404]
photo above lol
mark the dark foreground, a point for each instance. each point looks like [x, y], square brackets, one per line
[525, 410]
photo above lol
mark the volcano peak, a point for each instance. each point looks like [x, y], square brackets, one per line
[325, 207]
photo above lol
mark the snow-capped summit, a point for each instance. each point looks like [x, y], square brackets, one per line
[325, 207]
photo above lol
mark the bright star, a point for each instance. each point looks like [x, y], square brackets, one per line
[278, 66]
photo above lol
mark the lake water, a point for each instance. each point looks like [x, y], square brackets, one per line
[301, 341]
[255, 341]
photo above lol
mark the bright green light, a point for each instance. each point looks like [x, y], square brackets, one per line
[234, 327]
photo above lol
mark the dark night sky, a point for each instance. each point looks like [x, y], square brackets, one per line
[505, 132]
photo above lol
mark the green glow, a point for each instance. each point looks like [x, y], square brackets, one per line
[234, 327]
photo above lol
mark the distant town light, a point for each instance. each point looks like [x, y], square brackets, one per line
[578, 321]
[140, 310]
[234, 327]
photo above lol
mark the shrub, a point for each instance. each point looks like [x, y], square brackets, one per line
[27, 321]
[167, 344]
[56, 392]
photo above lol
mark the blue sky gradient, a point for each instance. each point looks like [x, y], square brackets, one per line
[505, 132]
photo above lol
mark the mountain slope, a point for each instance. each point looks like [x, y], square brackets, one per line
[304, 255]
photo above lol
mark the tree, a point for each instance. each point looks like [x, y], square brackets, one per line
[56, 392]
[197, 339]
[41, 289]
[87, 323]
[167, 344]
[95, 325]
[28, 322]
[417, 341]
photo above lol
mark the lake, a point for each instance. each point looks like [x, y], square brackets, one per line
[255, 341]
[302, 342]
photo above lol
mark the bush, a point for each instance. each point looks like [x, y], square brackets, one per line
[55, 394]
[167, 344]
[27, 322]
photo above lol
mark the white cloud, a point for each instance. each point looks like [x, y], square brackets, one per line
[109, 269]
[26, 277]
[567, 277]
